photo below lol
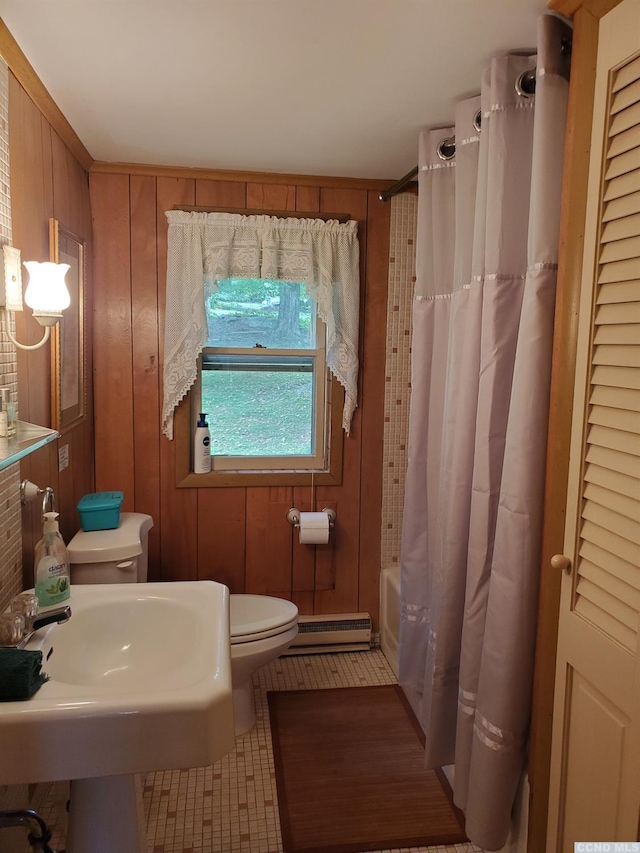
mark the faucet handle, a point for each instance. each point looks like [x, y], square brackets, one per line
[12, 628]
[25, 603]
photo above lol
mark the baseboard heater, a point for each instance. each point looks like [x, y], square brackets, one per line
[344, 632]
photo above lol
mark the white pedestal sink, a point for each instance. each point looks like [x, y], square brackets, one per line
[140, 681]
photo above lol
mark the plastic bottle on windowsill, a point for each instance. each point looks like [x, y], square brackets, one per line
[202, 447]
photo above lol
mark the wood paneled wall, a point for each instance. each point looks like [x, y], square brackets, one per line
[239, 536]
[47, 181]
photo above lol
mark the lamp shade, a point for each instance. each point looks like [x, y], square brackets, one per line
[47, 292]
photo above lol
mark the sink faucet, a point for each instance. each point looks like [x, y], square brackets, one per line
[60, 614]
[19, 624]
[34, 623]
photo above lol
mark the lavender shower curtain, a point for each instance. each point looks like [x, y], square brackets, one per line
[486, 262]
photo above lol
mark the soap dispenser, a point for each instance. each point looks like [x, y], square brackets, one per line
[51, 564]
[202, 447]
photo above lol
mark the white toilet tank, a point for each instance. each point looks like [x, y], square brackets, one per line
[112, 556]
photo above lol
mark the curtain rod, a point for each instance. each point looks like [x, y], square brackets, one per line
[283, 214]
[385, 195]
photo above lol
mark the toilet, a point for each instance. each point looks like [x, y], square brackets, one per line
[262, 627]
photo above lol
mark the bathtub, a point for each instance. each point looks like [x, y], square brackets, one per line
[390, 615]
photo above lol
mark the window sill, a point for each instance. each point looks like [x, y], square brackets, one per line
[231, 479]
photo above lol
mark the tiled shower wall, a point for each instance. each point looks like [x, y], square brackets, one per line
[16, 796]
[10, 516]
[402, 274]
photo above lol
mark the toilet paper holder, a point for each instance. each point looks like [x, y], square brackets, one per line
[293, 516]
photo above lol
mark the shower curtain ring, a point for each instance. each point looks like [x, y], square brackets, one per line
[447, 148]
[526, 83]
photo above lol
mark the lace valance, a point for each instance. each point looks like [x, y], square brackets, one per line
[204, 248]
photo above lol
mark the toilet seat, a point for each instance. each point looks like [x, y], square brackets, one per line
[257, 617]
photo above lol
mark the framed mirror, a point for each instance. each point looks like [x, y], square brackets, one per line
[68, 386]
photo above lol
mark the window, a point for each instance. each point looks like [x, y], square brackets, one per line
[262, 378]
[277, 386]
[273, 410]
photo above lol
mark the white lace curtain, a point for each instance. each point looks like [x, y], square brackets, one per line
[205, 248]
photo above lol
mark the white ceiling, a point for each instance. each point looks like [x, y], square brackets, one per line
[318, 87]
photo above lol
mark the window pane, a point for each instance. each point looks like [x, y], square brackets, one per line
[248, 311]
[259, 413]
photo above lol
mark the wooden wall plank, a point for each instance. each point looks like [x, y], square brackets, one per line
[67, 187]
[268, 533]
[65, 492]
[342, 597]
[221, 194]
[36, 174]
[303, 601]
[279, 543]
[327, 556]
[268, 541]
[43, 470]
[31, 170]
[271, 197]
[372, 402]
[81, 473]
[113, 389]
[84, 474]
[178, 507]
[221, 536]
[303, 568]
[20, 163]
[250, 545]
[308, 199]
[240, 176]
[147, 386]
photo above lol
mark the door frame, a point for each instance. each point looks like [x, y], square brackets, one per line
[586, 15]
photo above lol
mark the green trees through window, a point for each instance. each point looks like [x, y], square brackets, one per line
[259, 371]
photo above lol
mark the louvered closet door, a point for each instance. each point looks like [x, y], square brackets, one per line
[595, 783]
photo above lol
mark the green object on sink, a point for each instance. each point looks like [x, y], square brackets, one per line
[21, 674]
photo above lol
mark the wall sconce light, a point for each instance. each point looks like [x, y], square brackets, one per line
[46, 293]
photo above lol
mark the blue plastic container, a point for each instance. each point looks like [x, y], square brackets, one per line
[100, 511]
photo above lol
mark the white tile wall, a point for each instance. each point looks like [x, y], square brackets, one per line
[398, 371]
[10, 521]
[16, 796]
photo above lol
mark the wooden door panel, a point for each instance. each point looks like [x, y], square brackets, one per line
[595, 772]
[591, 810]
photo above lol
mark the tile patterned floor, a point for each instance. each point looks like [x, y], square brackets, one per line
[231, 807]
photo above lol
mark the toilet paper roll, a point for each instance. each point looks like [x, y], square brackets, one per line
[314, 528]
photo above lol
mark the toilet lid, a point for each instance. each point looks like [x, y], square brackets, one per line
[256, 617]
